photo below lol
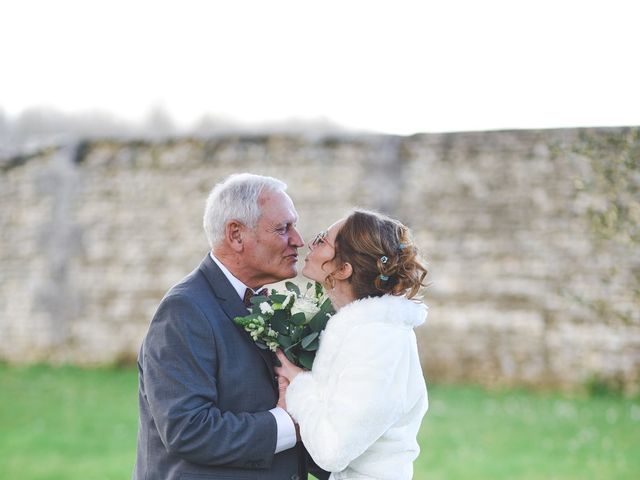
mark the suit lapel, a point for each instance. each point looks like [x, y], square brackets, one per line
[233, 306]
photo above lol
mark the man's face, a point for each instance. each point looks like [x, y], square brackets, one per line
[271, 249]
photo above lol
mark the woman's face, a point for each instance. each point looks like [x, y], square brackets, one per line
[319, 262]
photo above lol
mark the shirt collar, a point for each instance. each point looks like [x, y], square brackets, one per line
[237, 285]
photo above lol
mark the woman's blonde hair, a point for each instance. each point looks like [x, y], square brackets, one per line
[382, 255]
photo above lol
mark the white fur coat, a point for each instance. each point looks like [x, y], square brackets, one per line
[361, 406]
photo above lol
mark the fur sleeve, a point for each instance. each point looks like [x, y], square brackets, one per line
[342, 415]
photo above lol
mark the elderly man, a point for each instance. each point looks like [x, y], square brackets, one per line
[207, 393]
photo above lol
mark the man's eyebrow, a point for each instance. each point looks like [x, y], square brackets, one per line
[280, 225]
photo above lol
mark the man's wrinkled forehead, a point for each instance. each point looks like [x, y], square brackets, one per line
[277, 206]
[288, 216]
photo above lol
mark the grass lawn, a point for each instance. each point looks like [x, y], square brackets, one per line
[469, 433]
[68, 423]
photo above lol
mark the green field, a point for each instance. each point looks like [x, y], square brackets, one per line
[68, 424]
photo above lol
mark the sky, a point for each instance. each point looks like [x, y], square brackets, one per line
[397, 67]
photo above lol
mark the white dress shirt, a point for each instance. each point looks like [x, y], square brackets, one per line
[286, 429]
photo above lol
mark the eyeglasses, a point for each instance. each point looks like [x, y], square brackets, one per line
[320, 238]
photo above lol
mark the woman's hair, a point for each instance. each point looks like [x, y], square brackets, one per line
[382, 255]
[236, 199]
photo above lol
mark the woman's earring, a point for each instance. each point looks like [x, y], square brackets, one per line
[330, 282]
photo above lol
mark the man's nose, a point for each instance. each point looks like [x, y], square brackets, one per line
[296, 238]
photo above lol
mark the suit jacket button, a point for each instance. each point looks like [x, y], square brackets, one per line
[295, 477]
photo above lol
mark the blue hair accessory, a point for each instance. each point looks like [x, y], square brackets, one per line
[402, 246]
[384, 278]
[384, 259]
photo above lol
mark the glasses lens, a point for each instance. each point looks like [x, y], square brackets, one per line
[318, 239]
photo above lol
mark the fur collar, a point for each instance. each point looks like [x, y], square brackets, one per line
[391, 309]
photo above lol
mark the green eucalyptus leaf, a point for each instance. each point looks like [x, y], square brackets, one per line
[279, 325]
[305, 359]
[298, 319]
[327, 307]
[296, 333]
[306, 330]
[280, 315]
[306, 341]
[313, 346]
[292, 287]
[258, 299]
[319, 321]
[291, 356]
[284, 341]
[277, 298]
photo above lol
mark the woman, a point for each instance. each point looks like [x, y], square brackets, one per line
[359, 409]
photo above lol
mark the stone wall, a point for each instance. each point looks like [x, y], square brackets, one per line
[531, 236]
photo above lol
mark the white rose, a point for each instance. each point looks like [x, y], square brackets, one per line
[306, 306]
[265, 308]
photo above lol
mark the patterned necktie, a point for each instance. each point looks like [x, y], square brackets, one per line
[248, 295]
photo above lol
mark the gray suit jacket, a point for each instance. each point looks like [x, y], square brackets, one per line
[205, 390]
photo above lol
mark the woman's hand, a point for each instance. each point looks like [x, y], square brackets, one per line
[283, 383]
[288, 370]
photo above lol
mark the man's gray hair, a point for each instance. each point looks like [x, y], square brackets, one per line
[236, 198]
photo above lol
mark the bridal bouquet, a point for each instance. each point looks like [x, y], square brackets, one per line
[290, 320]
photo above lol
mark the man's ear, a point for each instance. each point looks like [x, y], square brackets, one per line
[344, 272]
[233, 233]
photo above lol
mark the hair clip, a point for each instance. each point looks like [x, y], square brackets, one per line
[384, 259]
[384, 278]
[402, 246]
